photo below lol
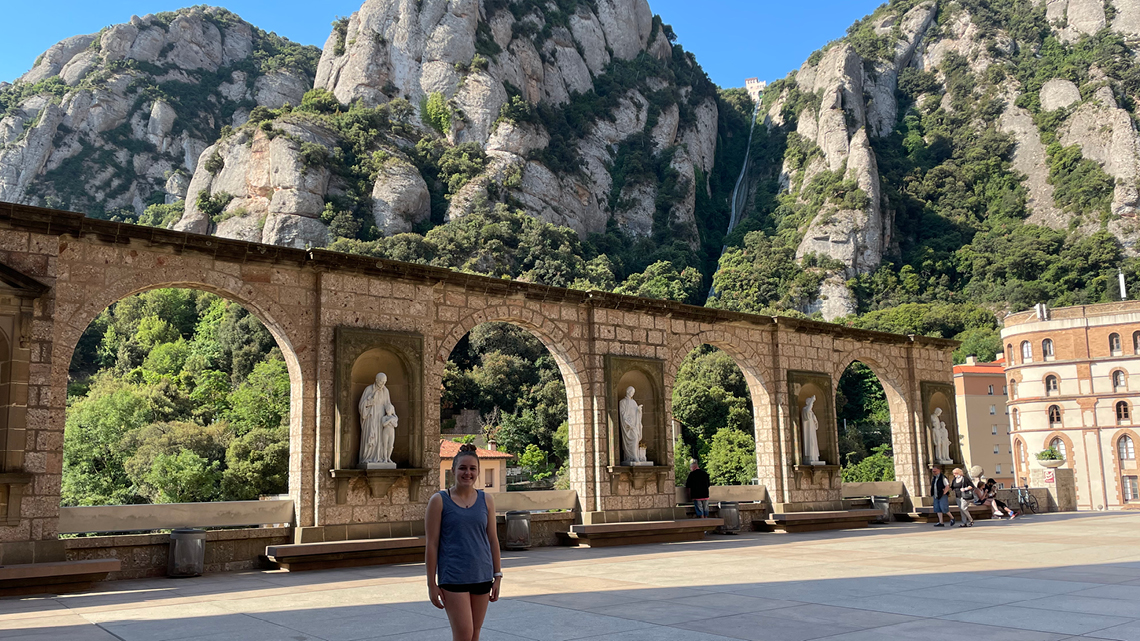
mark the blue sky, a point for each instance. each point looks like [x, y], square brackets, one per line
[733, 39]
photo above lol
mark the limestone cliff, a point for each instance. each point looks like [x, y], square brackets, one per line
[1053, 77]
[557, 98]
[110, 122]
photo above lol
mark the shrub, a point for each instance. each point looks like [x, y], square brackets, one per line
[732, 457]
[1049, 454]
[435, 113]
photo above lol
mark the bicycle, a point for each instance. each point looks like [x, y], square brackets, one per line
[1026, 502]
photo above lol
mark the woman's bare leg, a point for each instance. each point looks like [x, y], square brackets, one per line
[478, 613]
[458, 606]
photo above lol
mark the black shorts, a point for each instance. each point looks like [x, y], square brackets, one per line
[473, 588]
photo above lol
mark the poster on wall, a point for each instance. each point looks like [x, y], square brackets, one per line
[1050, 476]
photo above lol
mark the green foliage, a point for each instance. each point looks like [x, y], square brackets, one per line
[178, 395]
[663, 280]
[215, 163]
[534, 460]
[319, 100]
[435, 112]
[509, 377]
[213, 204]
[681, 457]
[1049, 454]
[732, 458]
[340, 27]
[160, 215]
[710, 395]
[862, 412]
[879, 466]
[1079, 184]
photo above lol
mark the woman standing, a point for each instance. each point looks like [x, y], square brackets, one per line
[964, 491]
[463, 549]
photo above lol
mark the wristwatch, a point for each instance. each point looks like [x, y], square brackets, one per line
[497, 575]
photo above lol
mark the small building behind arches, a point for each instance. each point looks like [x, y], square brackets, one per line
[1078, 395]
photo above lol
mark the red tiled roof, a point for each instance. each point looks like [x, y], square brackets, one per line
[449, 448]
[980, 368]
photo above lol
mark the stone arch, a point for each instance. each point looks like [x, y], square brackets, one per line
[552, 337]
[742, 353]
[905, 445]
[572, 367]
[78, 304]
[769, 454]
[1118, 464]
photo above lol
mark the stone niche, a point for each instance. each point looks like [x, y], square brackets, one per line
[360, 355]
[940, 395]
[647, 377]
[802, 386]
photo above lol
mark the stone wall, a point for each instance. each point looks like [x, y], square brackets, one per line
[303, 297]
[145, 555]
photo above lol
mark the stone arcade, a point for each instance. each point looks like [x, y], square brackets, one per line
[341, 319]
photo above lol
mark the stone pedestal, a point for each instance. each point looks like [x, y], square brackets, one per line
[378, 466]
[1060, 483]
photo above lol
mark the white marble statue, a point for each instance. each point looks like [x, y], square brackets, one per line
[941, 437]
[810, 425]
[378, 423]
[630, 414]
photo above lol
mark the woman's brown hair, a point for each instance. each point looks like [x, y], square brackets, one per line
[466, 449]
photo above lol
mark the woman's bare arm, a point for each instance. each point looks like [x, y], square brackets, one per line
[431, 547]
[493, 539]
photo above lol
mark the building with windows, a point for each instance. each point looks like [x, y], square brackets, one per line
[492, 467]
[754, 87]
[1073, 375]
[980, 392]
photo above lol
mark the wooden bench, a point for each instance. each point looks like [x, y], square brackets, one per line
[344, 554]
[817, 521]
[635, 532]
[56, 577]
[926, 514]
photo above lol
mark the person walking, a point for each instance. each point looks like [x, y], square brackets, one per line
[940, 491]
[964, 490]
[698, 484]
[462, 550]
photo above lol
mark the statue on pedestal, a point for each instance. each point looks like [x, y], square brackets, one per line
[630, 414]
[810, 426]
[378, 423]
[941, 437]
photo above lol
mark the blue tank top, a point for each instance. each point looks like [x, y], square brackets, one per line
[464, 549]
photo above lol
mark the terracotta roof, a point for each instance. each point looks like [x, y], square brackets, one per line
[980, 368]
[449, 448]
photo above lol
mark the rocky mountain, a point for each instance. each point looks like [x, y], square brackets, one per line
[901, 146]
[111, 122]
[579, 112]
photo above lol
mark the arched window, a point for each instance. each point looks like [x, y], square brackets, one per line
[1026, 352]
[1118, 382]
[1059, 445]
[1021, 456]
[1047, 349]
[1052, 385]
[1016, 418]
[1114, 344]
[1013, 389]
[1123, 416]
[1136, 342]
[1054, 416]
[1009, 352]
[1125, 448]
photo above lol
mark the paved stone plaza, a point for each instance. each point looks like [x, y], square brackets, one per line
[1042, 577]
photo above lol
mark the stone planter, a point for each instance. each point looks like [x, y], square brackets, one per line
[1050, 462]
